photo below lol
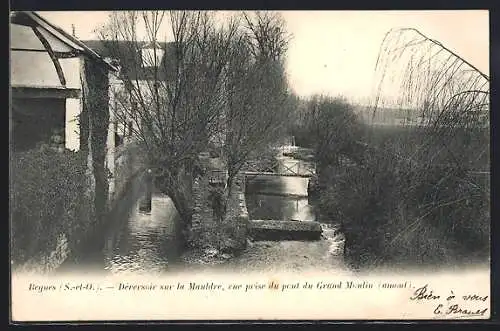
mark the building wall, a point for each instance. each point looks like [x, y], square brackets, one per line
[21, 72]
[111, 143]
[35, 69]
[125, 162]
[31, 65]
[28, 54]
[72, 130]
[71, 69]
[23, 64]
[125, 99]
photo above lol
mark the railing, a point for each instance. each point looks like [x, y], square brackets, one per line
[297, 169]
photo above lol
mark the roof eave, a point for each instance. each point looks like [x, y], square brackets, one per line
[67, 38]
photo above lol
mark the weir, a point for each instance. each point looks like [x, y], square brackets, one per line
[278, 202]
[265, 173]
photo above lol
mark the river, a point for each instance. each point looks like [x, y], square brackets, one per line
[133, 241]
[285, 198]
[139, 243]
[279, 197]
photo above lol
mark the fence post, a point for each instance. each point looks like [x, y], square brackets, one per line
[146, 203]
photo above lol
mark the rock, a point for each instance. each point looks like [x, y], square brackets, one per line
[228, 244]
[211, 252]
[231, 245]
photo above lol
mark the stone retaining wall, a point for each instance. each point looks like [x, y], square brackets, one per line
[230, 235]
[202, 215]
[48, 263]
[127, 164]
[237, 221]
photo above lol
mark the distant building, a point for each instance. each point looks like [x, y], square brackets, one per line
[141, 63]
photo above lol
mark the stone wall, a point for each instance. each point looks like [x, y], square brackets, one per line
[236, 221]
[48, 263]
[228, 235]
[127, 165]
[202, 220]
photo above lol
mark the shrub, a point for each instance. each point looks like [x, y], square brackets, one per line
[395, 209]
[47, 199]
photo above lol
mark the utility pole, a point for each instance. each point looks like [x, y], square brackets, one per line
[73, 30]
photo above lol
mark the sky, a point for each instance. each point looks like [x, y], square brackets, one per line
[334, 52]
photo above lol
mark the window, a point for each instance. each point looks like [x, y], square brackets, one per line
[118, 137]
[36, 121]
[152, 55]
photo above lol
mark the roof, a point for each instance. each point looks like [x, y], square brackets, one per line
[32, 19]
[128, 53]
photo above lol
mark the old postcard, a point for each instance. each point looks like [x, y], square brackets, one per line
[249, 165]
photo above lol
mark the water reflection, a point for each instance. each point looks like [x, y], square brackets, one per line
[274, 207]
[132, 241]
[285, 198]
[148, 242]
[280, 197]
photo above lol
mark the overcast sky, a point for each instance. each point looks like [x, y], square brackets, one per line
[334, 52]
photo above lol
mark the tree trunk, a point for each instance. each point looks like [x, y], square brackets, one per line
[229, 187]
[178, 187]
[185, 209]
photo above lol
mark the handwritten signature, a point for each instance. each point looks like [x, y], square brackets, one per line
[424, 293]
[457, 310]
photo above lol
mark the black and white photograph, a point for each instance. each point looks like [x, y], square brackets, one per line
[249, 165]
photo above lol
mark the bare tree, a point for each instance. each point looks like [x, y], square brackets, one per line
[223, 82]
[335, 128]
[257, 92]
[268, 35]
[438, 89]
[446, 142]
[174, 104]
